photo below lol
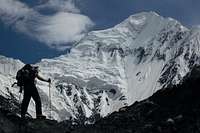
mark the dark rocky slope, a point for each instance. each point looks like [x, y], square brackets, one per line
[171, 110]
[10, 122]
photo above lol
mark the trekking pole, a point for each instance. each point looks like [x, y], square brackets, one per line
[50, 98]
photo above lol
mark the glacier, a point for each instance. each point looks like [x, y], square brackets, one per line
[112, 68]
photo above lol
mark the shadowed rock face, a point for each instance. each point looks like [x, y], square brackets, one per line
[11, 123]
[172, 110]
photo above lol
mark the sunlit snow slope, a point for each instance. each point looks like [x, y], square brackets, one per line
[112, 68]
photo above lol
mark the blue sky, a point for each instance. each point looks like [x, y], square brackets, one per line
[31, 30]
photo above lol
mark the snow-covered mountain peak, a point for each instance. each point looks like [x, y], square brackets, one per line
[112, 68]
[138, 31]
[130, 61]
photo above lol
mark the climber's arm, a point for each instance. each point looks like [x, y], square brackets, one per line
[42, 79]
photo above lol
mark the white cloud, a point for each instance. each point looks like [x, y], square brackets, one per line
[62, 27]
[55, 30]
[11, 10]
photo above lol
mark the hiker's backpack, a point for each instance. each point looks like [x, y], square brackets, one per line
[20, 77]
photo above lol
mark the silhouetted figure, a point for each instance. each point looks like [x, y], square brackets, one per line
[26, 80]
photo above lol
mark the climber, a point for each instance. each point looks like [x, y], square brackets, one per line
[26, 80]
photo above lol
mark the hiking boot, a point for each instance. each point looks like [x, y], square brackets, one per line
[41, 117]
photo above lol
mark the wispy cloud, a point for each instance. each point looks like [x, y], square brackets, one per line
[60, 5]
[65, 26]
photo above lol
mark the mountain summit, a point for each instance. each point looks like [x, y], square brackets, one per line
[113, 68]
